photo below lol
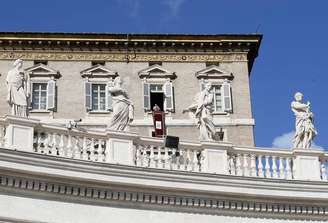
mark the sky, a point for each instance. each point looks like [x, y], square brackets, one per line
[292, 57]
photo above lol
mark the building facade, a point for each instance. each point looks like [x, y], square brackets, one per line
[54, 172]
[70, 74]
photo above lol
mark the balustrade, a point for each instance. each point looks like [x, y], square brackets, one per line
[70, 144]
[130, 149]
[168, 158]
[260, 163]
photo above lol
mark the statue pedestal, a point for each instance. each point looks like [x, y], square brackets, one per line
[215, 157]
[20, 133]
[120, 147]
[307, 164]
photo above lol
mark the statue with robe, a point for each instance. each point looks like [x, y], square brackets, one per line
[122, 107]
[202, 109]
[18, 89]
[304, 127]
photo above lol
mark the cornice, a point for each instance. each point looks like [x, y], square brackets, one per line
[123, 57]
[40, 175]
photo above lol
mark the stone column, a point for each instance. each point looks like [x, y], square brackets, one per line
[120, 147]
[215, 157]
[20, 133]
[307, 164]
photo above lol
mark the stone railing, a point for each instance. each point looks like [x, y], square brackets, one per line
[255, 162]
[125, 148]
[324, 167]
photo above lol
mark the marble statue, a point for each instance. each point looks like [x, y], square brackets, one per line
[304, 128]
[18, 89]
[122, 107]
[202, 109]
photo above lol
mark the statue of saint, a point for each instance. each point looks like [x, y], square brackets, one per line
[202, 109]
[122, 107]
[305, 131]
[18, 89]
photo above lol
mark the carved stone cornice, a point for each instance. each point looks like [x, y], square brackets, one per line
[122, 57]
[37, 175]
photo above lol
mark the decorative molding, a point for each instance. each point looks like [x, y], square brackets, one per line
[156, 71]
[213, 72]
[41, 70]
[98, 71]
[122, 57]
[161, 199]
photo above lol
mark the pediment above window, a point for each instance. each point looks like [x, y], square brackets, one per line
[156, 71]
[41, 70]
[98, 71]
[214, 72]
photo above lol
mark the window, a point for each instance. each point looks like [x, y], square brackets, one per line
[43, 95]
[160, 94]
[39, 96]
[222, 101]
[98, 62]
[44, 62]
[217, 98]
[208, 64]
[151, 63]
[98, 97]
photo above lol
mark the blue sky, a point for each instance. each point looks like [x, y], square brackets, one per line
[292, 57]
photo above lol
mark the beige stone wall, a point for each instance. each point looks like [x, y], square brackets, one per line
[70, 95]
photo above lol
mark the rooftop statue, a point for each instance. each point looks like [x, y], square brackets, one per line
[122, 107]
[18, 89]
[304, 128]
[202, 109]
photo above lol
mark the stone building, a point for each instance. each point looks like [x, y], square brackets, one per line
[59, 173]
[70, 72]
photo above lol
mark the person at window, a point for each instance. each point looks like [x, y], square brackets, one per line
[156, 108]
[202, 109]
[18, 86]
[305, 131]
[122, 107]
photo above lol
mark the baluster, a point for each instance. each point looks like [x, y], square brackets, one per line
[274, 167]
[281, 168]
[174, 159]
[267, 167]
[39, 142]
[246, 168]
[239, 170]
[69, 146]
[138, 156]
[167, 160]
[101, 151]
[288, 168]
[324, 171]
[46, 142]
[92, 149]
[232, 164]
[189, 161]
[54, 145]
[85, 155]
[260, 166]
[182, 160]
[152, 157]
[195, 161]
[158, 158]
[2, 136]
[77, 151]
[253, 166]
[145, 157]
[61, 146]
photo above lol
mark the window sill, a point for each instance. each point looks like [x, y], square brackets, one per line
[39, 111]
[151, 112]
[220, 113]
[99, 112]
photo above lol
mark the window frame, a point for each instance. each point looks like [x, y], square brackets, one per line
[158, 81]
[33, 82]
[106, 93]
